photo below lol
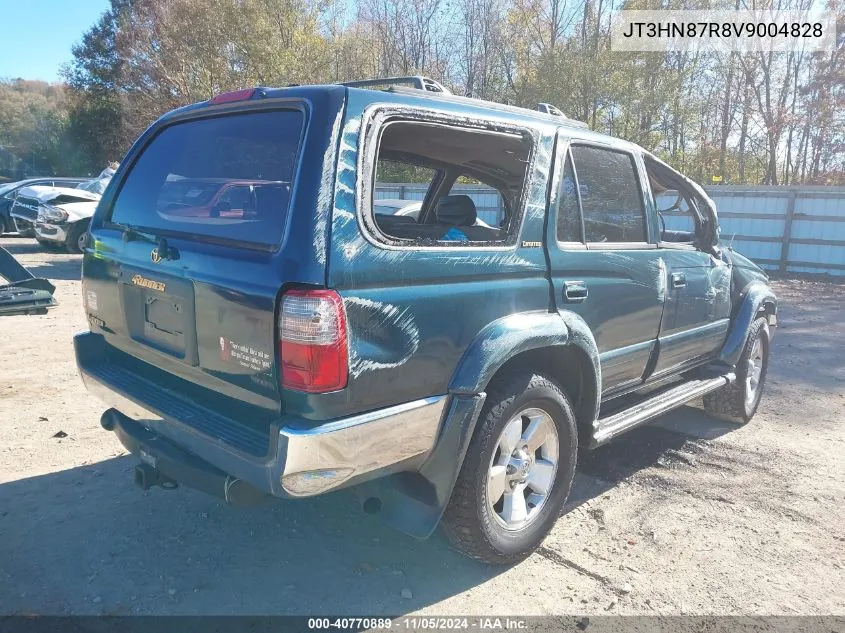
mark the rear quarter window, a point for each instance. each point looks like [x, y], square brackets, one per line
[226, 177]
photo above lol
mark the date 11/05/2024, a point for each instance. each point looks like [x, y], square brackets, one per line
[420, 623]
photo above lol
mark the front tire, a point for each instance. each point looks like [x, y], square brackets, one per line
[76, 237]
[517, 472]
[738, 401]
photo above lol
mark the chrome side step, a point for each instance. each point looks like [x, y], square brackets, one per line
[617, 423]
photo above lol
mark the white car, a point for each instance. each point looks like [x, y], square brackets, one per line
[408, 208]
[395, 206]
[59, 216]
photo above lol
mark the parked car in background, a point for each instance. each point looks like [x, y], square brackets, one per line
[408, 209]
[59, 216]
[56, 216]
[398, 207]
[218, 198]
[449, 371]
[9, 191]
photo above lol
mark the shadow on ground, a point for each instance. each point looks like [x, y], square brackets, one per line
[68, 270]
[184, 552]
[23, 247]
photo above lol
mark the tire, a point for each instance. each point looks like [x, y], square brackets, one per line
[738, 401]
[75, 235]
[479, 527]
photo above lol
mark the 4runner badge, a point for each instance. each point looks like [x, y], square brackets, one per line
[148, 283]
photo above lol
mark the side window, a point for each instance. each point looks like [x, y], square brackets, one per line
[675, 216]
[679, 215]
[478, 176]
[568, 213]
[610, 196]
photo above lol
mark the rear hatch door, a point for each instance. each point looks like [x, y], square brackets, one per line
[189, 253]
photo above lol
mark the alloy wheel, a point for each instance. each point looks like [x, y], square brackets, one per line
[523, 468]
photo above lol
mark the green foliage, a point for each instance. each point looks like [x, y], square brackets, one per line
[705, 113]
[33, 122]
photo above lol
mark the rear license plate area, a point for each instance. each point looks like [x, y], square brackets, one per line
[159, 312]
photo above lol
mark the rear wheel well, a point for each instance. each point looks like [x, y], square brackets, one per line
[571, 368]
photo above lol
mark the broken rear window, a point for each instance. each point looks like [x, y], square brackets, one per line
[227, 177]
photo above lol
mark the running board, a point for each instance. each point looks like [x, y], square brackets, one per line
[617, 423]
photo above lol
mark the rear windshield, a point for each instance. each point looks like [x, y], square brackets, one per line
[225, 177]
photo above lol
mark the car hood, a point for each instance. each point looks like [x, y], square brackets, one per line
[58, 195]
[77, 210]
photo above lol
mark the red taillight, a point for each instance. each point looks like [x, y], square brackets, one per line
[312, 341]
[235, 95]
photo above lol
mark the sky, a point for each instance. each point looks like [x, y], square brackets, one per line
[36, 35]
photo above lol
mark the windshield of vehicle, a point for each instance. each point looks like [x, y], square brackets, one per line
[226, 177]
[98, 185]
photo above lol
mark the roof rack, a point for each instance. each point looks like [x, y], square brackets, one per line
[437, 90]
[414, 81]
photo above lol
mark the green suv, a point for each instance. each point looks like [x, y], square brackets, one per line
[262, 327]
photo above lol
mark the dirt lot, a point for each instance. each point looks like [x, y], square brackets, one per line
[686, 516]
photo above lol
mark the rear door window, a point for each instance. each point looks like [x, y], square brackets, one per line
[568, 213]
[611, 200]
[227, 177]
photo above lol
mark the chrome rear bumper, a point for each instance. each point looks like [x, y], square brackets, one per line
[300, 460]
[331, 454]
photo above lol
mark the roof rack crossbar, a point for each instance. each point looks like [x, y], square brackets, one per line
[414, 81]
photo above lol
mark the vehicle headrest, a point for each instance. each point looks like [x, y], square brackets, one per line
[458, 210]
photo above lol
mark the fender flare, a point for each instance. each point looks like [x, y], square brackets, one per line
[414, 502]
[752, 298]
[514, 334]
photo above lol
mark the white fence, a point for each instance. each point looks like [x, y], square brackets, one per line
[786, 229]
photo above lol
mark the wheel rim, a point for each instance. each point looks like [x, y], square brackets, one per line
[754, 372]
[80, 241]
[522, 469]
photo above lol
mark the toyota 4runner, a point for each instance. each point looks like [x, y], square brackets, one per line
[261, 327]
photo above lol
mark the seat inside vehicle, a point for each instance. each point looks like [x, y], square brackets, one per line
[458, 169]
[459, 212]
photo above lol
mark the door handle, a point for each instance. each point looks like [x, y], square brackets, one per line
[679, 280]
[575, 291]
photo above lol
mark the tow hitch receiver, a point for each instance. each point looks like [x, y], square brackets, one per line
[147, 476]
[167, 466]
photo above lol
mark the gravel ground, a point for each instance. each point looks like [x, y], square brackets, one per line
[686, 516]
